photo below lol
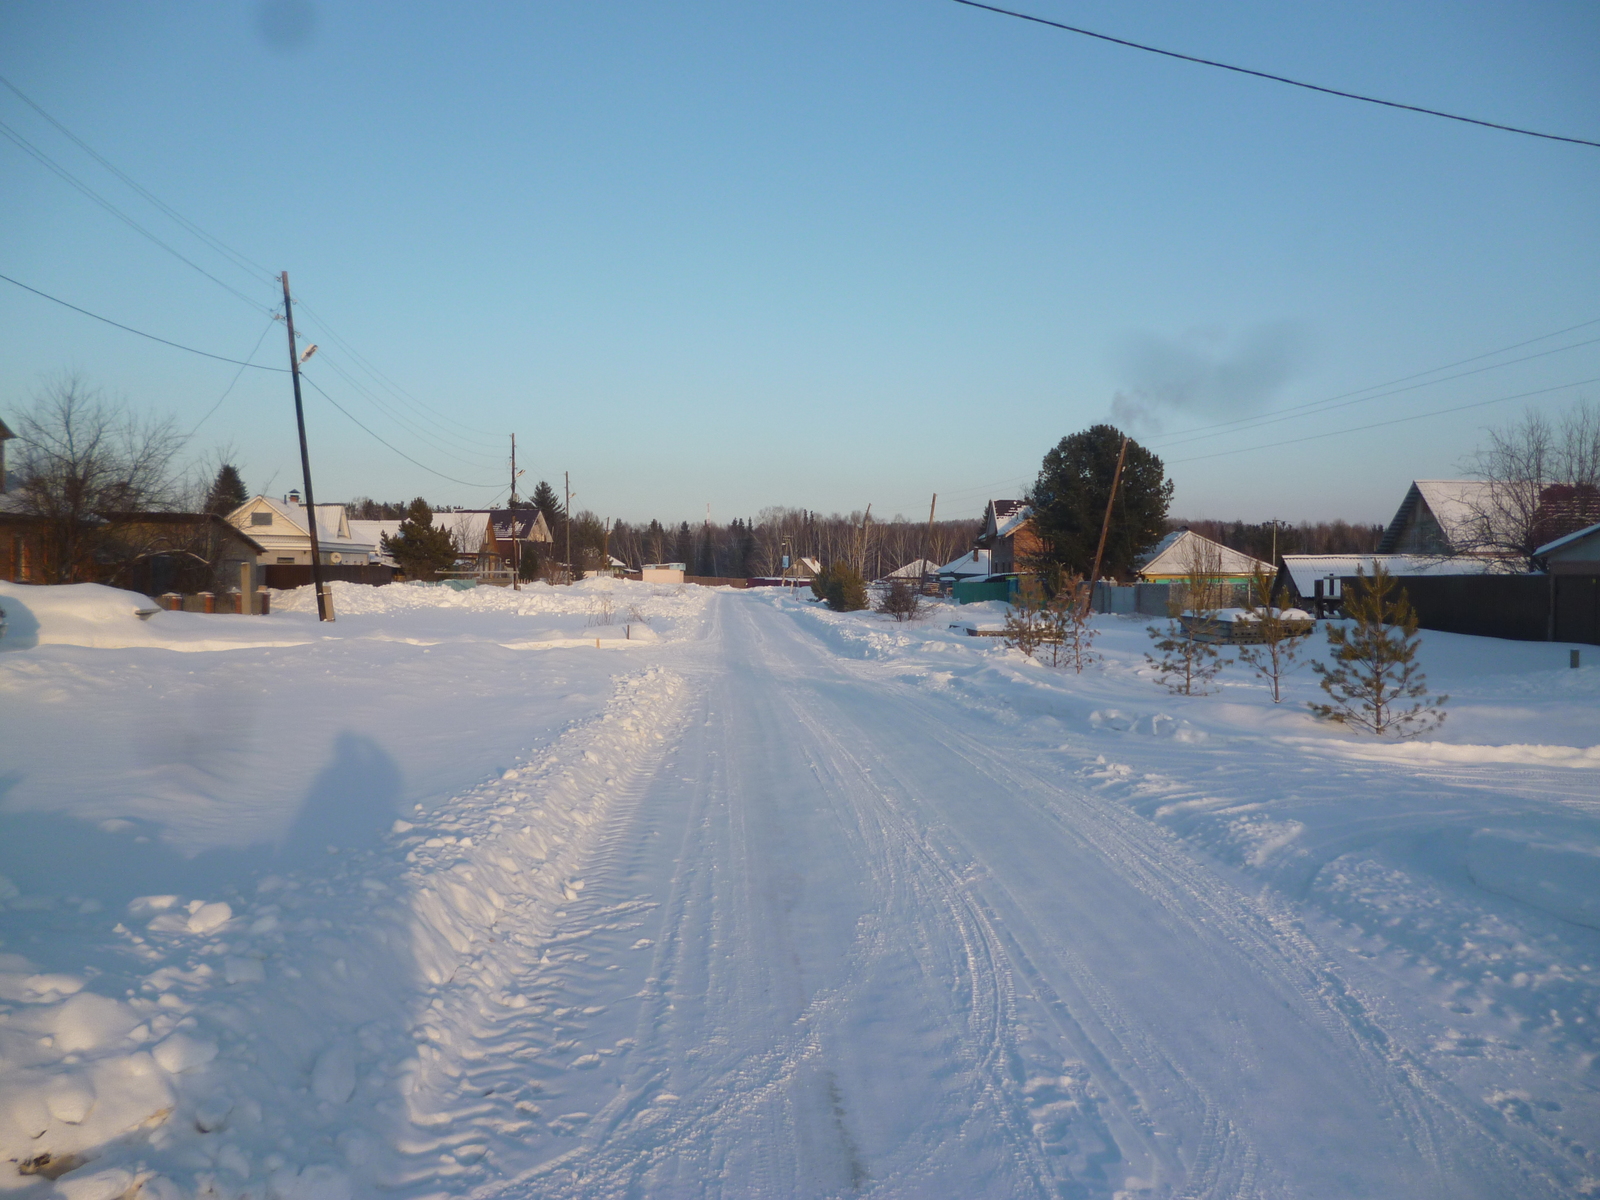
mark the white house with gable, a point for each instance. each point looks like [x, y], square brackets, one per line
[283, 530]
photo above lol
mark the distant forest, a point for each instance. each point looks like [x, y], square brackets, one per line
[747, 547]
[743, 547]
[1321, 537]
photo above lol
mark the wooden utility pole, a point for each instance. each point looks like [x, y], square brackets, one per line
[566, 485]
[927, 542]
[324, 609]
[1105, 525]
[516, 542]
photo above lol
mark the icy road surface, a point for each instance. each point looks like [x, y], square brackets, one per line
[809, 905]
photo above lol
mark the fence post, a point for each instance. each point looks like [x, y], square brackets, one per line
[170, 601]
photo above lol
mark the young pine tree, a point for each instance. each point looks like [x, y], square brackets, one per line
[1374, 682]
[1273, 657]
[420, 550]
[1027, 622]
[1187, 665]
[1067, 629]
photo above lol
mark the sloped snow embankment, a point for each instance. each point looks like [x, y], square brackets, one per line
[288, 1047]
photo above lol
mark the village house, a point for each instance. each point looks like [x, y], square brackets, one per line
[1436, 517]
[514, 531]
[1008, 535]
[1183, 552]
[282, 529]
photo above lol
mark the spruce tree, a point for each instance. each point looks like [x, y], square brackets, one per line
[419, 549]
[227, 491]
[1374, 682]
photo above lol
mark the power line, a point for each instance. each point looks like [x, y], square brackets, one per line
[396, 449]
[403, 421]
[1313, 87]
[237, 375]
[130, 329]
[1439, 412]
[29, 148]
[366, 364]
[239, 260]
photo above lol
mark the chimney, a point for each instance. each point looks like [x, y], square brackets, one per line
[294, 497]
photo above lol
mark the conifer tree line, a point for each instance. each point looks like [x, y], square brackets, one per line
[738, 549]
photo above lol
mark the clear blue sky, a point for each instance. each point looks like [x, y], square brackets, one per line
[813, 254]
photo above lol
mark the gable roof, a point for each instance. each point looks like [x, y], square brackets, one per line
[1002, 518]
[520, 524]
[1174, 554]
[5, 433]
[468, 530]
[333, 526]
[915, 569]
[1570, 541]
[1451, 502]
[972, 562]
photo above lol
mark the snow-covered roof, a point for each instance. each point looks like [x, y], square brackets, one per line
[334, 531]
[1306, 569]
[1002, 518]
[374, 531]
[468, 530]
[915, 569]
[973, 562]
[1570, 539]
[1175, 554]
[1453, 503]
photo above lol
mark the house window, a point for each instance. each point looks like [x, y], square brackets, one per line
[261, 518]
[289, 560]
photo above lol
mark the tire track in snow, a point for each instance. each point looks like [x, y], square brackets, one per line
[1265, 941]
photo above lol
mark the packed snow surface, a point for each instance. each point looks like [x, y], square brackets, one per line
[642, 890]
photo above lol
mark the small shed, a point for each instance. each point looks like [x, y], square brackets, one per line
[1315, 581]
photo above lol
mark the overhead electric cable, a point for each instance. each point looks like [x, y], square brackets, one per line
[426, 435]
[29, 148]
[1438, 412]
[390, 385]
[237, 375]
[1278, 416]
[216, 243]
[142, 333]
[1313, 87]
[396, 449]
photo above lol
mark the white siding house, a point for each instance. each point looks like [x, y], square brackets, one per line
[282, 529]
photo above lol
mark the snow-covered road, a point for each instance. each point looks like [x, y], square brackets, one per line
[777, 903]
[868, 950]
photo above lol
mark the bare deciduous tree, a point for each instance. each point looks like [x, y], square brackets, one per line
[82, 458]
[1542, 481]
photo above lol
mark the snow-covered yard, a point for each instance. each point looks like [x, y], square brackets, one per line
[629, 889]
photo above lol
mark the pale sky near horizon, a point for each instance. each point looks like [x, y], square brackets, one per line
[816, 255]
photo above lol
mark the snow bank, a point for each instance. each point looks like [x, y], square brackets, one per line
[106, 618]
[318, 984]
